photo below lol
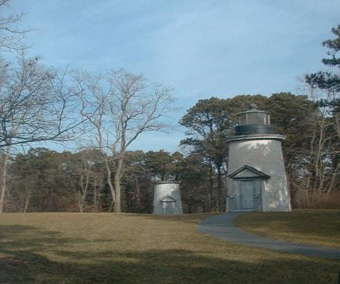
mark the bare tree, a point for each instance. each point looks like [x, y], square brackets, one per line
[128, 106]
[324, 146]
[35, 105]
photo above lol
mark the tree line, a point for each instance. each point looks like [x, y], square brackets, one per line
[45, 180]
[105, 113]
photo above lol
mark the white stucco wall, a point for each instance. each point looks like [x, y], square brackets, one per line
[161, 191]
[266, 156]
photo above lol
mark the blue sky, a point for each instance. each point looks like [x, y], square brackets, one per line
[202, 48]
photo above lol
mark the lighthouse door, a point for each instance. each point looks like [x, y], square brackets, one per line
[247, 194]
[169, 207]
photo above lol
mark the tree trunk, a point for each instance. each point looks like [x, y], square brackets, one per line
[117, 208]
[117, 179]
[333, 179]
[112, 188]
[4, 178]
[95, 199]
[211, 188]
[219, 188]
[137, 193]
[27, 202]
[80, 201]
[28, 191]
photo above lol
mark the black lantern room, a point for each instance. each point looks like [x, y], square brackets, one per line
[254, 122]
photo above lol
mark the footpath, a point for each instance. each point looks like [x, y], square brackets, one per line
[222, 227]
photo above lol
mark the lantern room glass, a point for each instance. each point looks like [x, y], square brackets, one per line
[254, 118]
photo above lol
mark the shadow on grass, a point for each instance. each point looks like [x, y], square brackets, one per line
[184, 218]
[24, 258]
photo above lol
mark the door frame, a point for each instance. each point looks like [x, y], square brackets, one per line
[246, 173]
[168, 205]
[235, 201]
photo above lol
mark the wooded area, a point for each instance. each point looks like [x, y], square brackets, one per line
[104, 114]
[44, 180]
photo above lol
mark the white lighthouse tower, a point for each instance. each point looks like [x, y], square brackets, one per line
[256, 172]
[167, 198]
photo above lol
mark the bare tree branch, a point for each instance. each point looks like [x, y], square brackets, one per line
[35, 105]
[11, 32]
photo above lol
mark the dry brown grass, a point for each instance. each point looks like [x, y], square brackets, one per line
[317, 200]
[108, 248]
[319, 227]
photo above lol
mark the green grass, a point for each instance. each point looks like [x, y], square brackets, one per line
[76, 248]
[314, 227]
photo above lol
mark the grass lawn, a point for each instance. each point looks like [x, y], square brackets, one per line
[314, 227]
[67, 248]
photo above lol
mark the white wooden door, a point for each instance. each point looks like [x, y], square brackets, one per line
[247, 194]
[168, 207]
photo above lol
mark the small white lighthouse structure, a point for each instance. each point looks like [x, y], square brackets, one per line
[256, 173]
[167, 198]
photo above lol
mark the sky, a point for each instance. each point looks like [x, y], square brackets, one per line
[201, 48]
